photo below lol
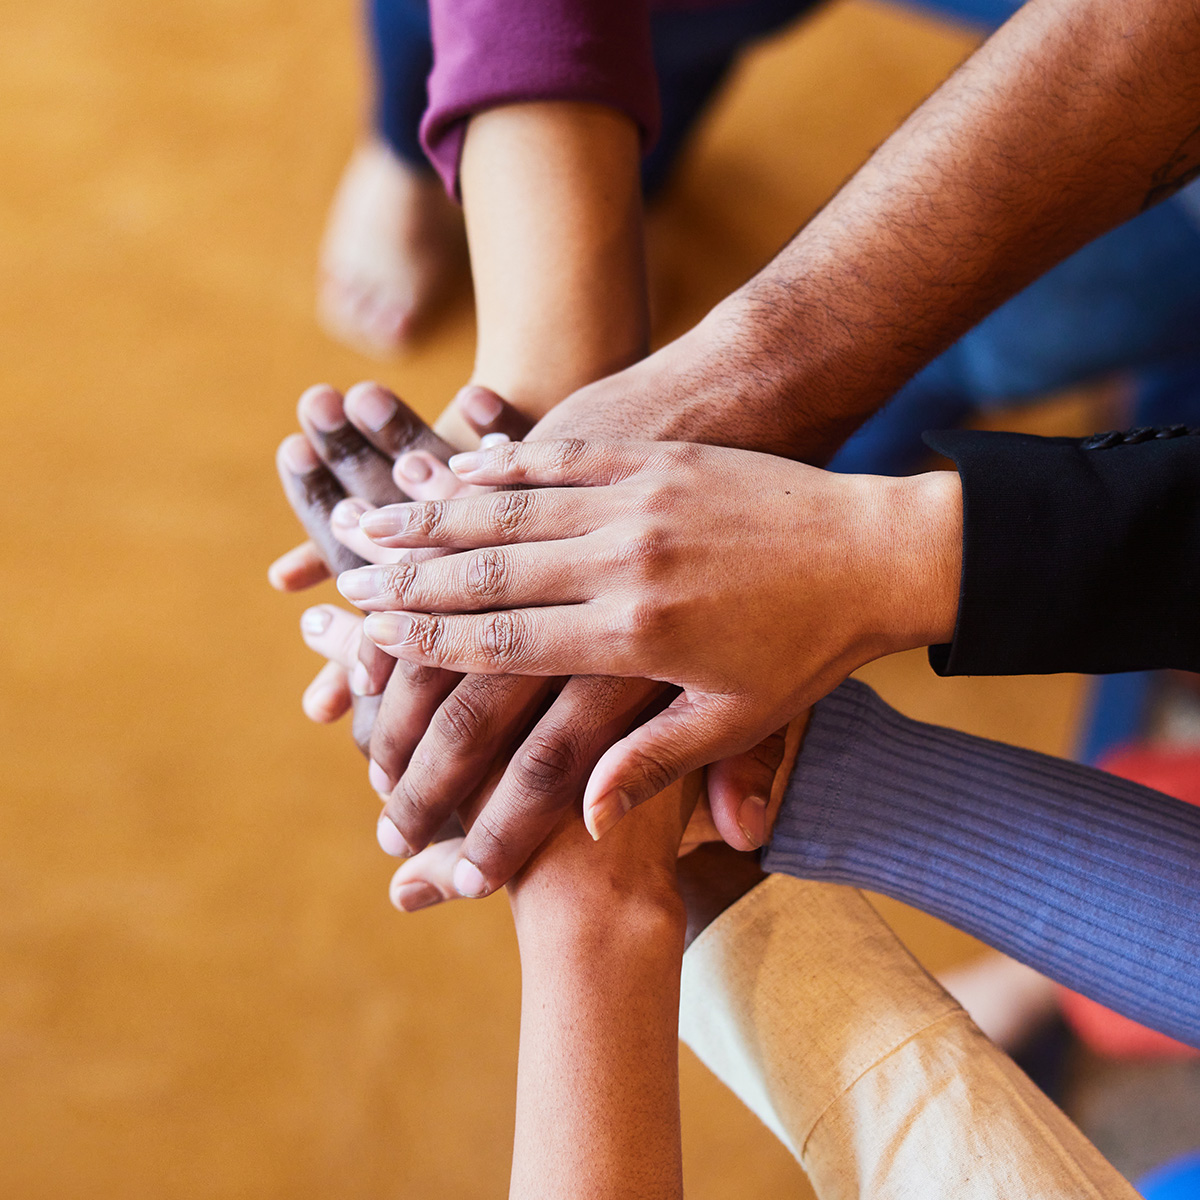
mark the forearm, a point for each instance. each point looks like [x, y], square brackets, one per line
[1089, 878]
[1067, 121]
[805, 1004]
[597, 1091]
[553, 209]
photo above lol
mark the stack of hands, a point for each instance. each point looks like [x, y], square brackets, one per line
[557, 619]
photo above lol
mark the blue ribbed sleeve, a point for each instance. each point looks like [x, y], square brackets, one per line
[1091, 879]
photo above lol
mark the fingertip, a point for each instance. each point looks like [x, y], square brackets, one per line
[415, 895]
[606, 812]
[469, 880]
[296, 455]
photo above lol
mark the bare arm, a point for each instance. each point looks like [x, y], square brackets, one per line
[1072, 118]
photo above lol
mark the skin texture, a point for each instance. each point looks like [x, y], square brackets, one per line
[632, 557]
[557, 257]
[1067, 121]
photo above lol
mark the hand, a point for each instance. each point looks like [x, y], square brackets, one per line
[753, 583]
[431, 745]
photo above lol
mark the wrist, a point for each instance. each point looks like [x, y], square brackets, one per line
[922, 525]
[591, 923]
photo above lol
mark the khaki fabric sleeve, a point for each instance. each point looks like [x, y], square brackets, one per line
[803, 1001]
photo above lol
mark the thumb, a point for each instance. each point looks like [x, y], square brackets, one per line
[739, 790]
[488, 413]
[684, 736]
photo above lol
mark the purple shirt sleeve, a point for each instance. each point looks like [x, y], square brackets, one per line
[1089, 878]
[487, 53]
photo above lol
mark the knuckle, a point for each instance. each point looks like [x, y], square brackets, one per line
[547, 765]
[413, 808]
[486, 572]
[654, 775]
[427, 519]
[426, 636]
[399, 582]
[508, 513]
[461, 719]
[502, 639]
[566, 454]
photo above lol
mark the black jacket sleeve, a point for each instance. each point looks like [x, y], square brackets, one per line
[1078, 555]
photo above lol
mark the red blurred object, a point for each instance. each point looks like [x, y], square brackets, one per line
[1177, 773]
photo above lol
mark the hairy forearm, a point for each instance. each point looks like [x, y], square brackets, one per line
[1068, 121]
[1073, 117]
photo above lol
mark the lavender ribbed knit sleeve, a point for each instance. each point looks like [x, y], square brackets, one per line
[486, 53]
[1091, 879]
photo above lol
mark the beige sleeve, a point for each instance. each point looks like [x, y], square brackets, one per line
[803, 1001]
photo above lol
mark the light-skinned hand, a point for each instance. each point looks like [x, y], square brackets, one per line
[753, 583]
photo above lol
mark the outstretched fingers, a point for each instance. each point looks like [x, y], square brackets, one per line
[568, 463]
[565, 640]
[496, 519]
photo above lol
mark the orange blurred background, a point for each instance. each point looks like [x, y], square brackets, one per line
[203, 991]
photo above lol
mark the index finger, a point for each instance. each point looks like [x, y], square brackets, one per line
[567, 463]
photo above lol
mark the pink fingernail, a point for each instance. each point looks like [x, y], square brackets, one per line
[347, 512]
[361, 583]
[752, 819]
[360, 680]
[372, 405]
[607, 812]
[379, 780]
[464, 464]
[480, 405]
[469, 880]
[323, 408]
[298, 456]
[387, 629]
[410, 897]
[391, 840]
[384, 522]
[315, 621]
[414, 468]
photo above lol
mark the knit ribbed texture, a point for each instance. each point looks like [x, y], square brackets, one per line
[1091, 879]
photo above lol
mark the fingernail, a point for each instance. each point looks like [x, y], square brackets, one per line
[390, 840]
[298, 456]
[360, 680]
[480, 405]
[386, 629]
[347, 512]
[323, 408]
[410, 897]
[414, 467]
[606, 812]
[315, 621]
[464, 464]
[469, 880]
[752, 819]
[321, 698]
[378, 779]
[384, 522]
[361, 583]
[493, 439]
[373, 407]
